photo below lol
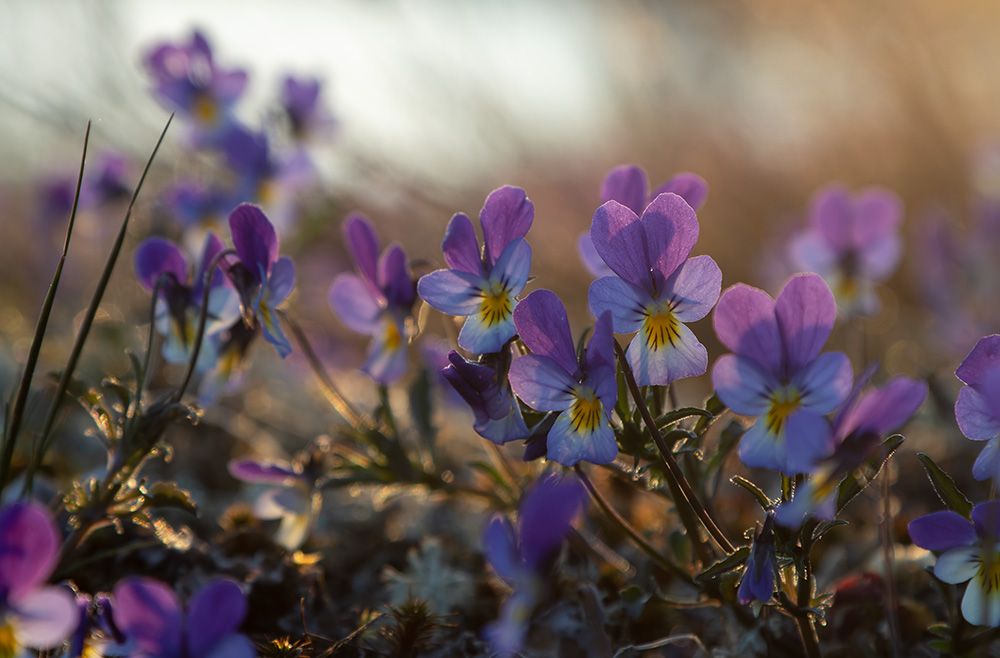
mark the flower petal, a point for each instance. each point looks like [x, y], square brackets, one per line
[362, 243]
[620, 240]
[394, 277]
[987, 464]
[29, 542]
[886, 408]
[980, 604]
[235, 645]
[975, 417]
[680, 357]
[626, 184]
[810, 252]
[451, 291]
[695, 287]
[591, 259]
[832, 213]
[941, 531]
[625, 302]
[281, 282]
[958, 565]
[742, 385]
[352, 301]
[215, 612]
[690, 187]
[986, 517]
[45, 618]
[506, 216]
[568, 447]
[600, 362]
[543, 326]
[759, 448]
[545, 516]
[513, 266]
[809, 438]
[825, 383]
[259, 472]
[479, 337]
[386, 360]
[254, 238]
[982, 360]
[148, 613]
[671, 229]
[156, 256]
[805, 311]
[500, 548]
[541, 383]
[744, 321]
[460, 246]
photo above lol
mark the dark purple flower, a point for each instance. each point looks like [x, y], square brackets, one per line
[194, 204]
[777, 372]
[486, 390]
[151, 617]
[293, 496]
[757, 583]
[552, 378]
[977, 409]
[483, 286]
[658, 289]
[377, 301]
[300, 100]
[111, 182]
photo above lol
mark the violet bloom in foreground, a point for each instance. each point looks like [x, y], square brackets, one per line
[552, 378]
[977, 409]
[155, 625]
[487, 392]
[967, 552]
[32, 615]
[263, 279]
[523, 557]
[658, 289]
[483, 287]
[852, 242]
[777, 372]
[377, 301]
[757, 582]
[628, 185]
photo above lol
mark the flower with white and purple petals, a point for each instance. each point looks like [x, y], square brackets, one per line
[552, 378]
[155, 624]
[483, 286]
[523, 557]
[32, 615]
[777, 373]
[486, 390]
[262, 279]
[852, 242]
[629, 185]
[757, 582]
[977, 409]
[300, 101]
[967, 551]
[377, 301]
[658, 289]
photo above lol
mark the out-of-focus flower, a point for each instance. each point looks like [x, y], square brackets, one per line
[96, 633]
[111, 182]
[777, 372]
[967, 552]
[658, 289]
[300, 100]
[487, 392]
[852, 242]
[155, 625]
[523, 557]
[32, 615]
[552, 378]
[484, 287]
[629, 185]
[757, 583]
[230, 364]
[196, 205]
[377, 301]
[977, 409]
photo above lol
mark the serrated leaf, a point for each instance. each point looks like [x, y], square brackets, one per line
[169, 494]
[726, 564]
[762, 498]
[945, 487]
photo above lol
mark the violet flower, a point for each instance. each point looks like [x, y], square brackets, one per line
[484, 287]
[300, 100]
[194, 204]
[523, 557]
[377, 301]
[628, 185]
[777, 372]
[486, 390]
[852, 242]
[151, 617]
[977, 409]
[967, 552]
[552, 378]
[757, 582]
[263, 279]
[32, 615]
[658, 289]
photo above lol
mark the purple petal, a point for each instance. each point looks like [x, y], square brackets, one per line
[500, 548]
[695, 287]
[826, 382]
[387, 355]
[625, 302]
[216, 611]
[256, 472]
[671, 229]
[742, 385]
[29, 542]
[541, 383]
[451, 291]
[506, 216]
[759, 448]
[362, 244]
[235, 645]
[460, 246]
[690, 187]
[757, 583]
[254, 238]
[976, 418]
[568, 446]
[832, 214]
[879, 213]
[351, 299]
[591, 259]
[270, 325]
[546, 515]
[45, 617]
[983, 359]
[620, 240]
[886, 408]
[745, 322]
[156, 256]
[503, 430]
[148, 613]
[987, 464]
[513, 267]
[809, 439]
[805, 310]
[478, 386]
[213, 247]
[600, 362]
[681, 356]
[480, 337]
[541, 322]
[507, 634]
[986, 517]
[281, 282]
[394, 278]
[626, 184]
[810, 252]
[879, 258]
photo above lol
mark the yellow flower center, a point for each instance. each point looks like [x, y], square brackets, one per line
[205, 109]
[586, 412]
[660, 327]
[8, 641]
[496, 306]
[393, 338]
[784, 403]
[989, 572]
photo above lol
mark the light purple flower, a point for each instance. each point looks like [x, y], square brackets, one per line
[484, 286]
[757, 582]
[552, 378]
[300, 100]
[486, 390]
[377, 301]
[852, 242]
[968, 552]
[195, 204]
[293, 498]
[658, 289]
[777, 372]
[977, 409]
[628, 185]
[150, 616]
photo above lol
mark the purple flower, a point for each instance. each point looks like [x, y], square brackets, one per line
[300, 100]
[263, 279]
[484, 287]
[230, 364]
[777, 372]
[522, 557]
[658, 289]
[32, 615]
[852, 242]
[628, 185]
[186, 80]
[757, 583]
[194, 204]
[377, 301]
[151, 617]
[977, 409]
[968, 552]
[486, 390]
[552, 378]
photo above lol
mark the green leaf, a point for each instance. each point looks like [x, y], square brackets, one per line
[422, 406]
[825, 527]
[857, 481]
[762, 498]
[726, 564]
[678, 415]
[945, 487]
[169, 494]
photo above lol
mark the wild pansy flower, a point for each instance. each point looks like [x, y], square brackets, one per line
[777, 372]
[859, 426]
[629, 185]
[484, 286]
[187, 80]
[852, 242]
[757, 582]
[968, 551]
[96, 633]
[178, 306]
[658, 289]
[32, 615]
[377, 301]
[523, 557]
[486, 390]
[977, 409]
[230, 363]
[263, 176]
[552, 378]
[155, 625]
[262, 279]
[300, 100]
[194, 204]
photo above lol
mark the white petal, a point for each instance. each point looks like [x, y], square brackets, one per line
[45, 618]
[958, 565]
[981, 606]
